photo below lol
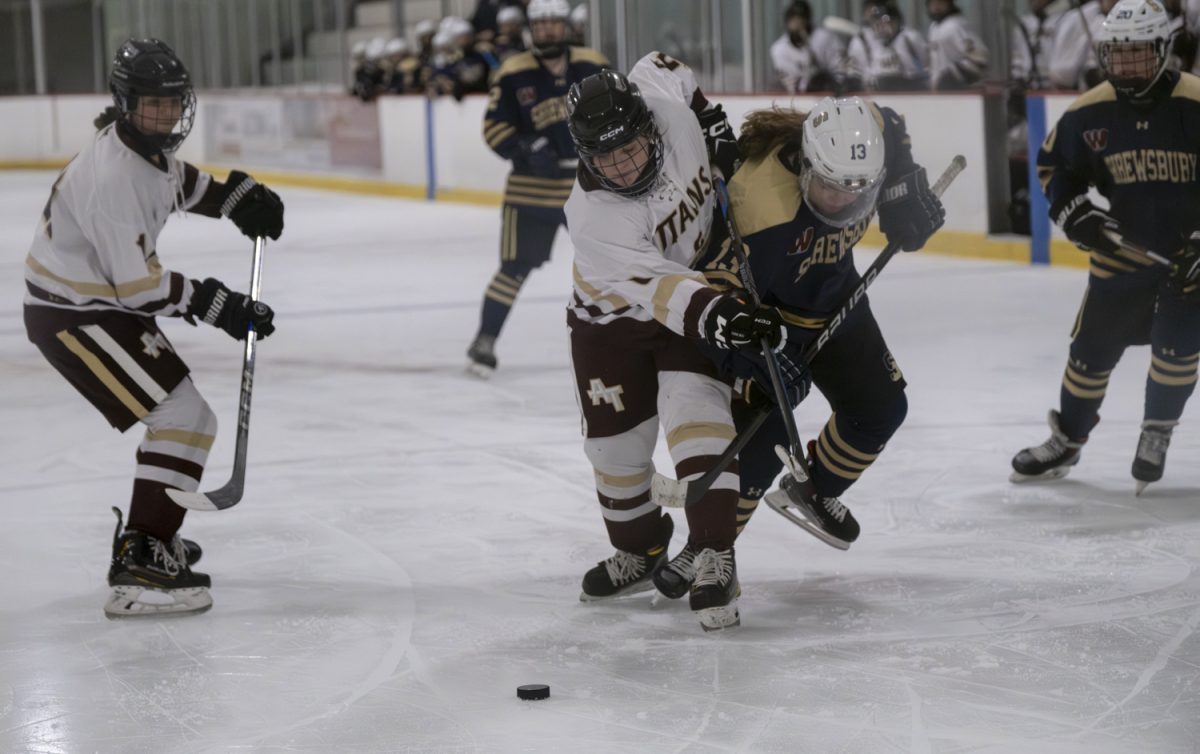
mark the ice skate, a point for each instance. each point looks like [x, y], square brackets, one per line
[1151, 452]
[714, 593]
[1050, 460]
[150, 577]
[192, 550]
[674, 579]
[626, 572]
[826, 518]
[482, 355]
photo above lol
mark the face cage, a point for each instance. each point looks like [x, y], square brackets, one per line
[650, 171]
[855, 212]
[169, 141]
[1149, 58]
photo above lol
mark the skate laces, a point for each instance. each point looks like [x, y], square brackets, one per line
[1049, 450]
[684, 563]
[1152, 445]
[713, 568]
[624, 566]
[835, 508]
[171, 556]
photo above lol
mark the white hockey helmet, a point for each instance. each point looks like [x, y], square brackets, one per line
[359, 50]
[510, 14]
[543, 9]
[375, 48]
[579, 16]
[1134, 44]
[425, 28]
[843, 170]
[396, 46]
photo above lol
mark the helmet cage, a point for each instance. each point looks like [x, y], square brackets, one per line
[1133, 67]
[613, 116]
[150, 69]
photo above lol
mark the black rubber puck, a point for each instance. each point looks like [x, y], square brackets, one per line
[533, 691]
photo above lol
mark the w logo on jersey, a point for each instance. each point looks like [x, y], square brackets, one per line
[1097, 139]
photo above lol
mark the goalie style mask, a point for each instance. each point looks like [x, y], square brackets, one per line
[1133, 45]
[614, 133]
[152, 89]
[842, 169]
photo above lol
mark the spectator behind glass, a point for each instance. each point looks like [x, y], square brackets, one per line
[958, 58]
[1074, 65]
[1033, 47]
[510, 38]
[884, 55]
[806, 59]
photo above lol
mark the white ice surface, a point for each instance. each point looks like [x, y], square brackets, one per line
[411, 542]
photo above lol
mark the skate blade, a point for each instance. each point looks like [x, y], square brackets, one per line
[137, 602]
[1048, 476]
[1141, 487]
[719, 618]
[482, 371]
[636, 587]
[779, 502]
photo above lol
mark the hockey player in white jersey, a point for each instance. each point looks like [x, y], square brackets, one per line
[641, 211]
[958, 58]
[807, 58]
[885, 55]
[94, 285]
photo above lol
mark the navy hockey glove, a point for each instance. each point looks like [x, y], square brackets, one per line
[255, 209]
[1086, 225]
[537, 156]
[909, 211]
[233, 312]
[1186, 274]
[732, 324]
[722, 142]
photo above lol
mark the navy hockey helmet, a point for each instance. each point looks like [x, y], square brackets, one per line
[614, 133]
[148, 68]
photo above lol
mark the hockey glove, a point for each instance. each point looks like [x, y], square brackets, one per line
[721, 141]
[733, 323]
[1086, 224]
[255, 209]
[233, 312]
[909, 211]
[1186, 273]
[537, 156]
[757, 395]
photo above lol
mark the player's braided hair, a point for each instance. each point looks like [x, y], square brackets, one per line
[766, 130]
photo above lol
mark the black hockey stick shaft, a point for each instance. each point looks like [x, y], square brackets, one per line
[697, 488]
[939, 187]
[230, 493]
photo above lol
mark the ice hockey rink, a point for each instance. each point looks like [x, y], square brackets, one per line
[411, 542]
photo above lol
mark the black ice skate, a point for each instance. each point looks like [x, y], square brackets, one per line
[1050, 460]
[626, 572]
[826, 518]
[1152, 452]
[674, 579]
[191, 549]
[715, 590]
[151, 577]
[482, 354]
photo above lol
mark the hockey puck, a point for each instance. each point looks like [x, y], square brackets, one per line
[533, 691]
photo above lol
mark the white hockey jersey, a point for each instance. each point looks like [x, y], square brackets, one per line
[1033, 50]
[797, 66]
[902, 63]
[95, 245]
[958, 58]
[632, 254]
[1074, 46]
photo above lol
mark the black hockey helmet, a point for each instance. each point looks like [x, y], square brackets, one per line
[149, 68]
[606, 112]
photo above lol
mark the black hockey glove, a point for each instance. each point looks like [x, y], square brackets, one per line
[233, 312]
[537, 156]
[1086, 224]
[909, 211]
[721, 141]
[1186, 274]
[255, 209]
[733, 323]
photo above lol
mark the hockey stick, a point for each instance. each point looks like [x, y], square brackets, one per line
[228, 495]
[1140, 251]
[843, 26]
[674, 493]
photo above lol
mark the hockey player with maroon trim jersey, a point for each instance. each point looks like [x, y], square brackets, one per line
[642, 209]
[94, 285]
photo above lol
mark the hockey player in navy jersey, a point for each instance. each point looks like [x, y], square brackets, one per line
[94, 286]
[526, 123]
[1136, 139]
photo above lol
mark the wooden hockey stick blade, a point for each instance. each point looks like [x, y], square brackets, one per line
[779, 502]
[839, 25]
